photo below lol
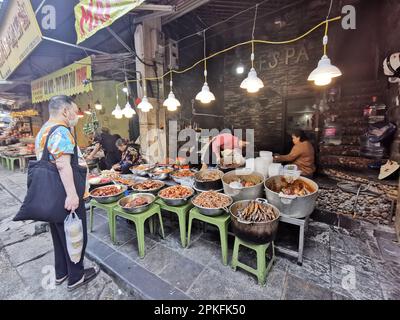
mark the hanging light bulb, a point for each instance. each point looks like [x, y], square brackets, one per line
[171, 102]
[117, 112]
[205, 95]
[240, 68]
[98, 105]
[144, 105]
[325, 71]
[128, 111]
[252, 83]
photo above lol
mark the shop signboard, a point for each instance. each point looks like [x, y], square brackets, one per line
[19, 35]
[67, 81]
[94, 15]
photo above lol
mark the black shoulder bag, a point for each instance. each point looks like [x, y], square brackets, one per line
[45, 199]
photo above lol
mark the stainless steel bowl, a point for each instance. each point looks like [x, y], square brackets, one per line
[176, 202]
[183, 180]
[212, 212]
[151, 198]
[159, 176]
[152, 191]
[109, 199]
[142, 173]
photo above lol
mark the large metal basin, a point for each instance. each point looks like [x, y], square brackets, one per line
[293, 206]
[245, 193]
[256, 232]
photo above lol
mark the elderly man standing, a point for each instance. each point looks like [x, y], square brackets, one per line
[61, 144]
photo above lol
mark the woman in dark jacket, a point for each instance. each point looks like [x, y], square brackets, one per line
[130, 156]
[106, 141]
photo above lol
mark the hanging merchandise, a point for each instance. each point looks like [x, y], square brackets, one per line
[332, 133]
[391, 67]
[92, 124]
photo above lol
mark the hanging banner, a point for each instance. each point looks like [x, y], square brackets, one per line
[94, 15]
[68, 81]
[19, 35]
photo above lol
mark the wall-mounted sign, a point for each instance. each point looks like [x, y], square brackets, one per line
[68, 81]
[19, 35]
[94, 15]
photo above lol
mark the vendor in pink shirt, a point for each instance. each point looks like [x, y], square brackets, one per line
[225, 141]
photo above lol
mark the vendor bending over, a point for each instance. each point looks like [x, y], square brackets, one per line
[226, 142]
[302, 154]
[130, 156]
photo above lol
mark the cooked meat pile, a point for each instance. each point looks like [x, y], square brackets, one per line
[212, 199]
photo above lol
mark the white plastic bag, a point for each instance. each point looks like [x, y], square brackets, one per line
[74, 236]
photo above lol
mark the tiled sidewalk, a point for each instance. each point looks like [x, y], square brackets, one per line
[362, 262]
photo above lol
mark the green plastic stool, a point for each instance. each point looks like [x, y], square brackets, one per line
[11, 163]
[261, 249]
[182, 213]
[108, 208]
[221, 222]
[139, 220]
[4, 162]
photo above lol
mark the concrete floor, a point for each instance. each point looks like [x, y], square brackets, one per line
[360, 262]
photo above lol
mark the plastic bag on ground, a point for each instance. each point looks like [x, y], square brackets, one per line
[74, 236]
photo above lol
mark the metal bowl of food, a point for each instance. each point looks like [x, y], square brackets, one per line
[142, 169]
[136, 203]
[183, 176]
[212, 203]
[176, 195]
[148, 186]
[160, 173]
[108, 194]
[255, 220]
[210, 179]
[125, 181]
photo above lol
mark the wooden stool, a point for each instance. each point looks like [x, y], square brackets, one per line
[261, 249]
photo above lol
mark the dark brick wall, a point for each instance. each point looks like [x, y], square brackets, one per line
[283, 76]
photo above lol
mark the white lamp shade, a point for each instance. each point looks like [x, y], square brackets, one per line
[128, 111]
[205, 95]
[98, 106]
[252, 83]
[145, 105]
[117, 112]
[171, 102]
[324, 72]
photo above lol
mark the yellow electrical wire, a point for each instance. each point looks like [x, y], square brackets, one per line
[252, 42]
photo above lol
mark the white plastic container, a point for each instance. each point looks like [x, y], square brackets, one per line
[251, 164]
[275, 169]
[266, 154]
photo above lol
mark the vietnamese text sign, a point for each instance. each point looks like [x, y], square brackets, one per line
[94, 15]
[19, 35]
[68, 81]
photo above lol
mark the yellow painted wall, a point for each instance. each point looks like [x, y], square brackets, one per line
[105, 93]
